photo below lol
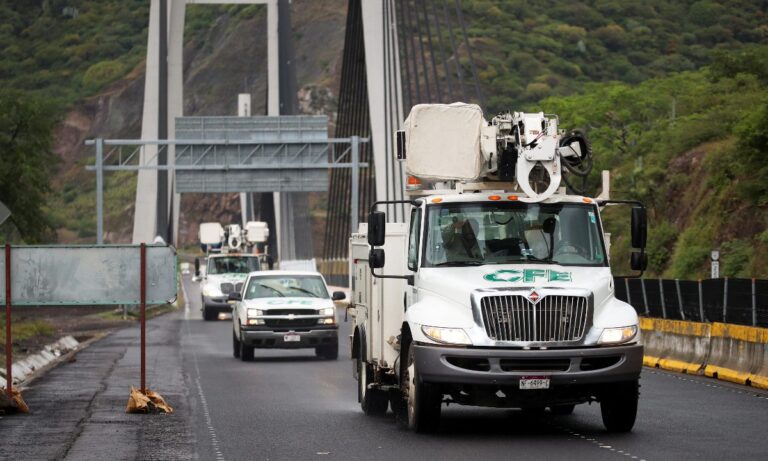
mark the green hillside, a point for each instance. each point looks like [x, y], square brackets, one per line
[692, 147]
[672, 94]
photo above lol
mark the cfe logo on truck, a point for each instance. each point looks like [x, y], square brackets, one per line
[528, 275]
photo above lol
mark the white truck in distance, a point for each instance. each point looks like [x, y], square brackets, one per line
[494, 294]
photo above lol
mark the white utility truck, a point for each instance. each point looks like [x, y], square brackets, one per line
[498, 292]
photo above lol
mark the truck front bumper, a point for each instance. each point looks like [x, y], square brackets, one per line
[217, 303]
[261, 337]
[505, 367]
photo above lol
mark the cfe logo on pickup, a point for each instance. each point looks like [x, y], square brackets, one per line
[528, 275]
[299, 302]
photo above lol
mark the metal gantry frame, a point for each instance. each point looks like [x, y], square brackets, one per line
[124, 155]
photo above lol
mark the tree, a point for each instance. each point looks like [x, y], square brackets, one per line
[26, 161]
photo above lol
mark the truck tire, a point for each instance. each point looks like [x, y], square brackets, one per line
[246, 352]
[423, 401]
[235, 345]
[372, 401]
[562, 410]
[618, 406]
[328, 351]
[209, 314]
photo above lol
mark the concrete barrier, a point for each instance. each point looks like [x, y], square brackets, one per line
[733, 353]
[738, 354]
[675, 345]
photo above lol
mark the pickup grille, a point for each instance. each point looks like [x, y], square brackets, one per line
[227, 288]
[554, 318]
[290, 323]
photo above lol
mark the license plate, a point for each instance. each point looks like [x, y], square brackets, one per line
[291, 338]
[534, 382]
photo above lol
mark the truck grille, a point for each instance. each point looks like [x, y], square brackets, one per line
[227, 288]
[515, 318]
[290, 323]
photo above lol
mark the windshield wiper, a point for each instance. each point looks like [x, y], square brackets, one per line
[459, 263]
[540, 260]
[305, 291]
[273, 289]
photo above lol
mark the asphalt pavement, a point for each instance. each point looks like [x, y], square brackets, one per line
[291, 405]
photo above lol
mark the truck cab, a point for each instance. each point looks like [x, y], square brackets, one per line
[491, 296]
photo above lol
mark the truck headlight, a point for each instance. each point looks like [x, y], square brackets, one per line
[617, 335]
[328, 312]
[211, 290]
[446, 335]
[252, 315]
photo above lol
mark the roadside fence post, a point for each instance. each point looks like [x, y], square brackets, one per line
[725, 297]
[701, 303]
[626, 286]
[645, 297]
[754, 304]
[663, 304]
[680, 299]
[143, 306]
[8, 342]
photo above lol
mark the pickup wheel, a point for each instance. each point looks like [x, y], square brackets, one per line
[235, 345]
[246, 352]
[372, 401]
[618, 406]
[562, 410]
[328, 351]
[424, 400]
[209, 314]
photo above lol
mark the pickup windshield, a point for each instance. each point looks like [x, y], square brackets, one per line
[233, 265]
[470, 234]
[284, 286]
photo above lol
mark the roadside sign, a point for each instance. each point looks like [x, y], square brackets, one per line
[53, 275]
[715, 260]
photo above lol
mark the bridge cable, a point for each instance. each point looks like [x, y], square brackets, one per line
[480, 98]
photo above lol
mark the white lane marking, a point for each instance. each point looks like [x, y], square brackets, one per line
[594, 441]
[200, 393]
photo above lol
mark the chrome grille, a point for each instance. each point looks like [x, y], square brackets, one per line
[553, 318]
[227, 288]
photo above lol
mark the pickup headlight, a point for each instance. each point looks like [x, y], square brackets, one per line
[252, 314]
[446, 335]
[212, 290]
[617, 335]
[329, 312]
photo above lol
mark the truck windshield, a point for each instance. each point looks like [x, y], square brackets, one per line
[467, 234]
[284, 286]
[233, 265]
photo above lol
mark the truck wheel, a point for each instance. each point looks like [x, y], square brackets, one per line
[618, 405]
[328, 351]
[235, 346]
[246, 352]
[562, 410]
[372, 401]
[423, 401]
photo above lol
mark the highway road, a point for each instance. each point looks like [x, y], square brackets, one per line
[290, 405]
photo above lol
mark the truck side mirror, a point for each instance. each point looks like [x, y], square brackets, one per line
[338, 296]
[197, 267]
[639, 261]
[639, 227]
[376, 258]
[234, 296]
[377, 221]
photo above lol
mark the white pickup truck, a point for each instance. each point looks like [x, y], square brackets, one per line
[285, 310]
